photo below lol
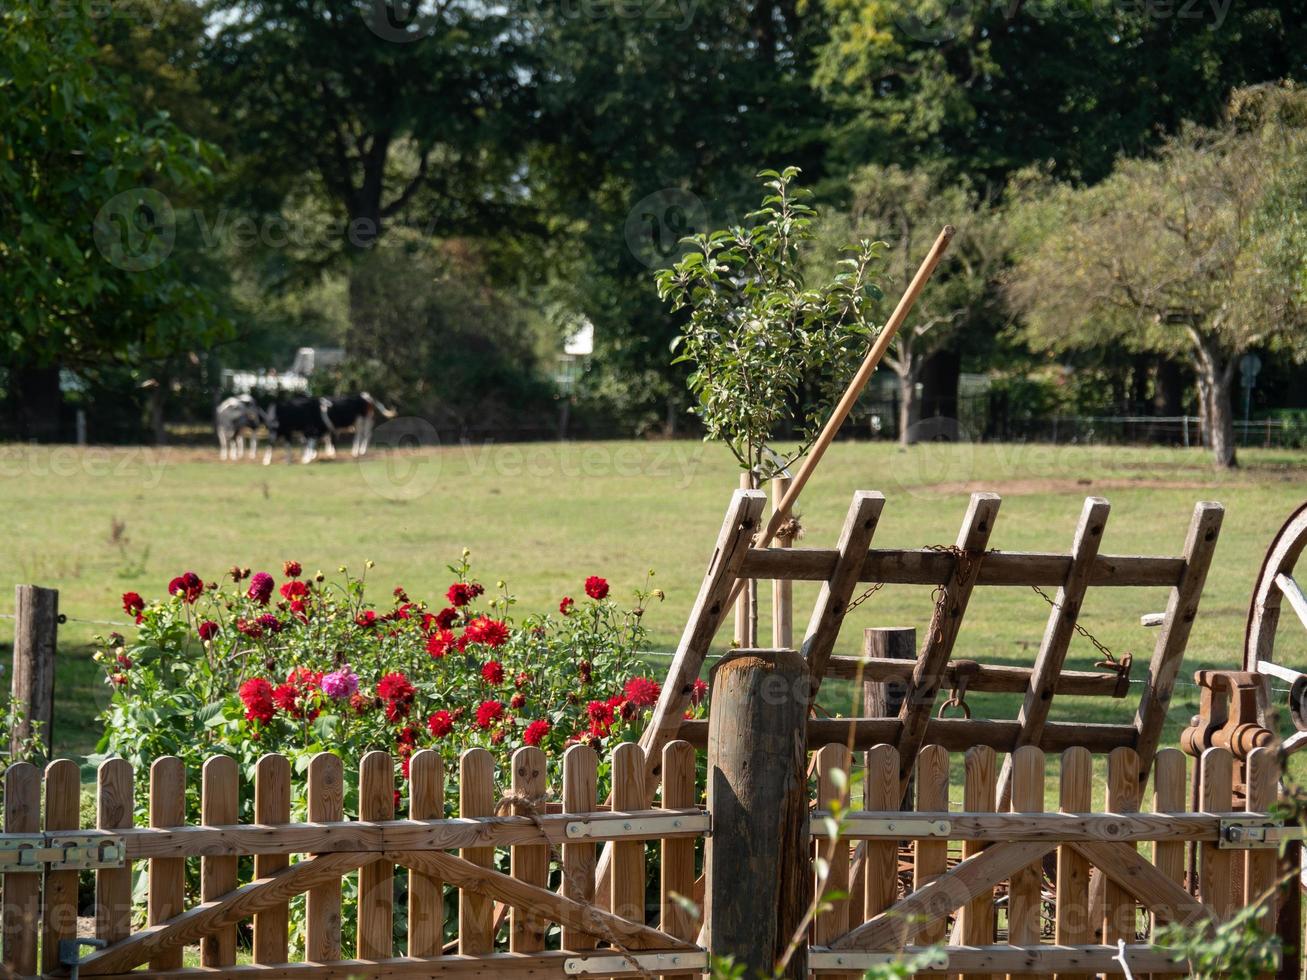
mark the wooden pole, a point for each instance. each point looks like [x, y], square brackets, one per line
[883, 699]
[36, 626]
[782, 510]
[758, 863]
[746, 604]
[782, 589]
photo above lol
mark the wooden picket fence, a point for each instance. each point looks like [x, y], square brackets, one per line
[1022, 893]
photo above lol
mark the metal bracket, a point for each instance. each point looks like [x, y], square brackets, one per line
[70, 954]
[32, 853]
[905, 827]
[690, 961]
[1255, 834]
[856, 962]
[650, 828]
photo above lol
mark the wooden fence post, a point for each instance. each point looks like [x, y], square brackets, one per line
[36, 625]
[759, 866]
[883, 699]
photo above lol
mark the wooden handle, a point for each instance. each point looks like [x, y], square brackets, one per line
[852, 393]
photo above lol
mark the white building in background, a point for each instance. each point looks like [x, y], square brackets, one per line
[577, 349]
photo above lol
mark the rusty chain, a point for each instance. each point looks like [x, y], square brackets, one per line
[1110, 660]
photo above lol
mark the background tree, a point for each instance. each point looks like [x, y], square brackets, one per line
[1190, 250]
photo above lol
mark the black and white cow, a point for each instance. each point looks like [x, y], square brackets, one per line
[357, 412]
[302, 416]
[236, 419]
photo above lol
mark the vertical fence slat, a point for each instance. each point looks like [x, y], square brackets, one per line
[1170, 795]
[376, 915]
[880, 791]
[930, 857]
[63, 811]
[832, 793]
[426, 893]
[628, 855]
[1073, 925]
[1025, 896]
[979, 796]
[113, 886]
[529, 862]
[1262, 777]
[1119, 907]
[271, 806]
[677, 876]
[580, 780]
[219, 804]
[167, 884]
[782, 589]
[476, 913]
[326, 803]
[22, 892]
[1216, 784]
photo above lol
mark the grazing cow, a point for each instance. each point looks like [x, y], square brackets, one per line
[303, 416]
[235, 418]
[357, 412]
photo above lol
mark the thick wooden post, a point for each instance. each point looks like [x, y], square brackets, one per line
[759, 868]
[36, 625]
[883, 699]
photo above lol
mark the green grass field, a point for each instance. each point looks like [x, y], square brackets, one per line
[96, 522]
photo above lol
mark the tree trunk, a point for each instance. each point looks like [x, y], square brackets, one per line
[36, 402]
[909, 408]
[1215, 381]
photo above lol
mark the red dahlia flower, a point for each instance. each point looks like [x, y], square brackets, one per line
[291, 569]
[483, 629]
[699, 692]
[187, 585]
[596, 587]
[261, 586]
[440, 724]
[536, 732]
[642, 692]
[294, 590]
[565, 607]
[489, 712]
[492, 672]
[517, 701]
[461, 593]
[133, 605]
[257, 695]
[440, 643]
[208, 629]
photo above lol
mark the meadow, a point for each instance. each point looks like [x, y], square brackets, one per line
[95, 522]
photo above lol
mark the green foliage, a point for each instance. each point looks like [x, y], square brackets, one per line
[765, 344]
[1237, 949]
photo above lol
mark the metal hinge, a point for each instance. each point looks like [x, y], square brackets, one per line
[872, 827]
[857, 962]
[1255, 834]
[691, 961]
[608, 828]
[31, 853]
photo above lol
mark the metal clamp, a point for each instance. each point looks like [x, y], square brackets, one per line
[1254, 834]
[31, 853]
[854, 961]
[649, 828]
[895, 827]
[690, 961]
[70, 954]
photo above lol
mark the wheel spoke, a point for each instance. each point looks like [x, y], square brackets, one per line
[1287, 674]
[1295, 742]
[1294, 594]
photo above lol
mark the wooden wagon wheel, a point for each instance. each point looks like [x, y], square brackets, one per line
[1275, 585]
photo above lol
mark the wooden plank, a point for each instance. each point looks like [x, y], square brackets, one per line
[219, 804]
[376, 908]
[113, 886]
[833, 597]
[580, 778]
[36, 631]
[1053, 827]
[167, 876]
[880, 789]
[1058, 631]
[975, 924]
[63, 792]
[746, 601]
[426, 894]
[529, 862]
[1170, 795]
[326, 802]
[930, 857]
[272, 807]
[1119, 911]
[221, 914]
[833, 886]
[627, 896]
[895, 646]
[782, 592]
[925, 566]
[1072, 924]
[676, 883]
[1158, 893]
[1025, 895]
[971, 878]
[983, 678]
[1263, 775]
[22, 892]
[518, 894]
[1181, 610]
[955, 734]
[476, 798]
[918, 706]
[1215, 865]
